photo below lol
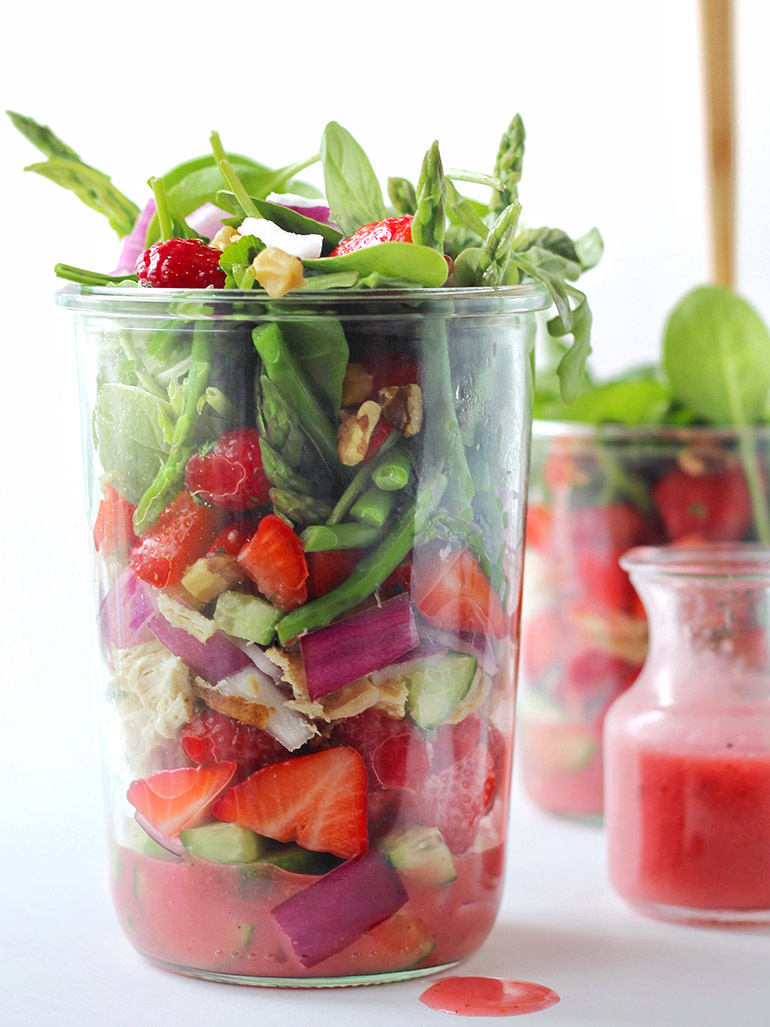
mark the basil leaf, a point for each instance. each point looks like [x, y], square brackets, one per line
[716, 352]
[352, 189]
[418, 264]
[128, 424]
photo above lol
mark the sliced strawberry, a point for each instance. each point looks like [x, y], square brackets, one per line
[212, 737]
[318, 801]
[275, 561]
[173, 800]
[401, 761]
[330, 568]
[454, 799]
[367, 731]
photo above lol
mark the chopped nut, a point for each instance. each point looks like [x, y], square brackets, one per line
[402, 405]
[224, 237]
[705, 459]
[356, 385]
[277, 272]
[355, 431]
[210, 576]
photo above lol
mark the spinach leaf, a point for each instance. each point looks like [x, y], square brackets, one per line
[417, 264]
[716, 351]
[129, 428]
[352, 189]
[286, 218]
[321, 350]
[195, 182]
[642, 401]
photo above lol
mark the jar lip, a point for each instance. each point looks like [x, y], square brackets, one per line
[715, 561]
[549, 430]
[226, 304]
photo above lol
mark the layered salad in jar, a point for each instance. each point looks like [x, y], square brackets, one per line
[307, 421]
[674, 453]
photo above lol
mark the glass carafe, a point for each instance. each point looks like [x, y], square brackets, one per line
[687, 748]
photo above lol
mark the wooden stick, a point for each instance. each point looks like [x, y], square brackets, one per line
[716, 18]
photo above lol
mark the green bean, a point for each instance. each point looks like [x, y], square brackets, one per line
[393, 473]
[358, 482]
[373, 507]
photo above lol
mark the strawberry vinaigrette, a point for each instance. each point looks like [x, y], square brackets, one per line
[688, 746]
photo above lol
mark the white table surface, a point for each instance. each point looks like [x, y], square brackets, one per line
[64, 960]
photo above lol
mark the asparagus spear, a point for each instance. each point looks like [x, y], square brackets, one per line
[370, 573]
[320, 537]
[373, 507]
[171, 473]
[510, 158]
[497, 250]
[392, 473]
[282, 369]
[299, 508]
[429, 225]
[402, 195]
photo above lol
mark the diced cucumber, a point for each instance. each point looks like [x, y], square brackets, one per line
[434, 690]
[297, 860]
[247, 617]
[420, 853]
[223, 843]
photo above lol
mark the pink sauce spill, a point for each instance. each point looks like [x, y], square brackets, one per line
[488, 996]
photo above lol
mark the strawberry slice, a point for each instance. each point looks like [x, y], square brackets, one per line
[454, 799]
[318, 801]
[173, 800]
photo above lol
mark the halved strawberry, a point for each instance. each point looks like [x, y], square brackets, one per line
[318, 801]
[173, 800]
[454, 800]
[390, 763]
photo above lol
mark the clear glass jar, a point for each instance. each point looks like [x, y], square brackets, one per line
[688, 746]
[308, 747]
[594, 493]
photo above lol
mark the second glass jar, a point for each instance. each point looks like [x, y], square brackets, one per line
[594, 493]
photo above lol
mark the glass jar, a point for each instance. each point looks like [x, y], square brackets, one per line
[308, 526]
[594, 493]
[688, 746]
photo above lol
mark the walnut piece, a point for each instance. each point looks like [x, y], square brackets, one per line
[277, 271]
[402, 405]
[356, 385]
[224, 237]
[355, 431]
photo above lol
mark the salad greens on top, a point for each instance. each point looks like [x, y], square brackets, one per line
[484, 242]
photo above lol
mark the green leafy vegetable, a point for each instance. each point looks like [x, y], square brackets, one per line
[398, 260]
[129, 428]
[352, 189]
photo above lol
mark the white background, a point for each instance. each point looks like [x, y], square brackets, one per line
[611, 96]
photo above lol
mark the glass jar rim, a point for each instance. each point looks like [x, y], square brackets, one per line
[369, 304]
[543, 429]
[717, 562]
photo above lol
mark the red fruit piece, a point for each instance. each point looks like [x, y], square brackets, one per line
[275, 561]
[388, 367]
[715, 506]
[231, 539]
[114, 526]
[366, 733]
[229, 473]
[401, 761]
[181, 534]
[454, 799]
[453, 592]
[180, 264]
[613, 527]
[382, 429]
[212, 737]
[398, 581]
[396, 229]
[330, 568]
[173, 800]
[318, 801]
